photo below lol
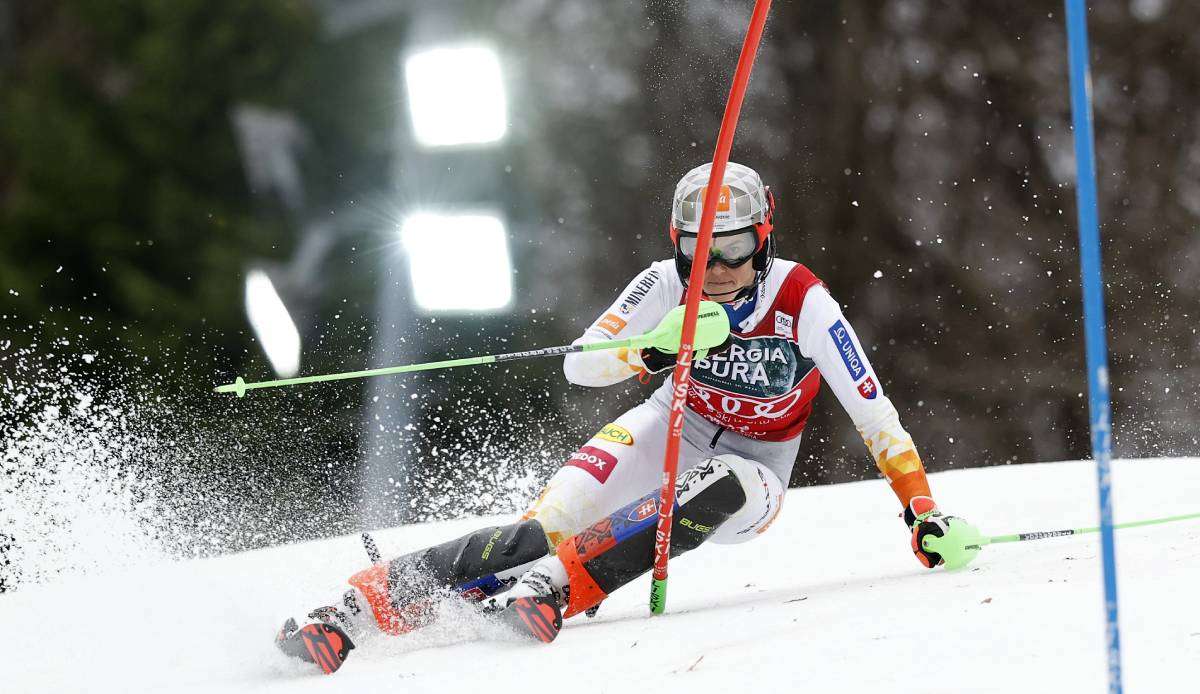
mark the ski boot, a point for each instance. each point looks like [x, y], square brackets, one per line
[533, 607]
[324, 642]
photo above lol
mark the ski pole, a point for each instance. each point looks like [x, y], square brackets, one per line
[712, 325]
[371, 547]
[1041, 535]
[962, 542]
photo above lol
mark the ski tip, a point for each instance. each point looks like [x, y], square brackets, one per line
[289, 627]
[324, 645]
[536, 618]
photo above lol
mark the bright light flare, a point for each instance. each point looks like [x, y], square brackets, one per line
[272, 324]
[458, 262]
[456, 95]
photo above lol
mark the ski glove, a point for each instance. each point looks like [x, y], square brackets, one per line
[657, 361]
[958, 539]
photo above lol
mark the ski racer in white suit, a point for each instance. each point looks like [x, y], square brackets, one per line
[591, 530]
[746, 406]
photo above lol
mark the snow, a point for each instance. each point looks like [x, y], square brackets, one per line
[830, 599]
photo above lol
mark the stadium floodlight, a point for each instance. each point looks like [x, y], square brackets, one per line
[458, 262]
[456, 95]
[272, 324]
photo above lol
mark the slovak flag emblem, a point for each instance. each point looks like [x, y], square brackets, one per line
[867, 389]
[643, 511]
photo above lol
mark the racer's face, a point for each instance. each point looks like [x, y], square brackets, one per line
[722, 283]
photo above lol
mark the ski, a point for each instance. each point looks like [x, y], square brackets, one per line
[532, 619]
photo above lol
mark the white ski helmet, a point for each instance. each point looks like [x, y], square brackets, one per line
[745, 204]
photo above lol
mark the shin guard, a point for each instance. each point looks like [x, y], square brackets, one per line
[401, 592]
[617, 549]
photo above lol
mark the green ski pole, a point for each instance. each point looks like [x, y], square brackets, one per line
[1026, 537]
[960, 545]
[712, 327]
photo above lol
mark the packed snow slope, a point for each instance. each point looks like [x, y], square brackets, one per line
[829, 600]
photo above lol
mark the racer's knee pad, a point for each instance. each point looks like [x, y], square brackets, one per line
[764, 499]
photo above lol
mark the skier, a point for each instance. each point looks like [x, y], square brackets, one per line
[592, 528]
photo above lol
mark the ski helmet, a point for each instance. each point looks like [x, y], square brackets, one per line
[745, 205]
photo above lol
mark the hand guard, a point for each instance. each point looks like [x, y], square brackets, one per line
[712, 329]
[938, 539]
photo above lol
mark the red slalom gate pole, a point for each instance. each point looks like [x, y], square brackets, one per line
[683, 363]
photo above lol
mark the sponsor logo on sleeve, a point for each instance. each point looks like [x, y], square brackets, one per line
[783, 324]
[596, 462]
[845, 344]
[638, 293]
[611, 324]
[616, 434]
[868, 389]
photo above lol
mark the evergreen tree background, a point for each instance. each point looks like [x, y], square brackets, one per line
[121, 168]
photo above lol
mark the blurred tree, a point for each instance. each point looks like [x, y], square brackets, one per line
[122, 195]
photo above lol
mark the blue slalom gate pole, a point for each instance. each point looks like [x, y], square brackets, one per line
[1093, 317]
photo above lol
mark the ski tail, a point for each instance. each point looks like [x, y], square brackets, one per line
[322, 644]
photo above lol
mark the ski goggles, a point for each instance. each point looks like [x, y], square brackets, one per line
[730, 249]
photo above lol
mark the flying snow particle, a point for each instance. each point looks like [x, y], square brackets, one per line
[878, 274]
